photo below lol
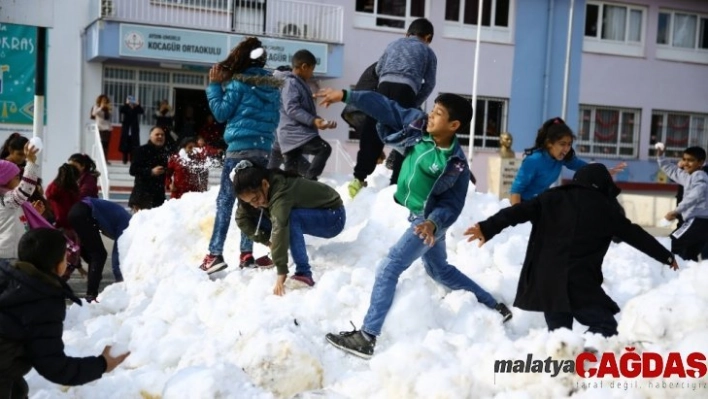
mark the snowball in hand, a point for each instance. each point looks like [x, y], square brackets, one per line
[663, 222]
[659, 146]
[35, 142]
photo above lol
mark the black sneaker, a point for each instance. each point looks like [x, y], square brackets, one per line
[504, 311]
[355, 342]
[246, 260]
[213, 263]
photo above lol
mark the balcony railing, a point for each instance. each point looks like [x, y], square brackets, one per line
[274, 18]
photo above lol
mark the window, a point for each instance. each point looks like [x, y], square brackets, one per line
[608, 132]
[614, 29]
[494, 12]
[149, 86]
[678, 131]
[396, 14]
[461, 20]
[682, 36]
[490, 121]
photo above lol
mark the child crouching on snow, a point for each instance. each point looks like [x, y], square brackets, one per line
[15, 191]
[32, 311]
[278, 208]
[573, 226]
[690, 238]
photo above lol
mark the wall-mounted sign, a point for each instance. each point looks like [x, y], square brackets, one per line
[17, 69]
[180, 45]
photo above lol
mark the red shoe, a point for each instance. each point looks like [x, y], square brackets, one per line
[265, 262]
[246, 260]
[304, 279]
[213, 263]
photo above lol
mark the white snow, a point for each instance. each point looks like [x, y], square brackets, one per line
[192, 336]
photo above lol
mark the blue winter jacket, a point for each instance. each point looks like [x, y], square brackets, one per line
[249, 104]
[403, 128]
[538, 171]
[112, 220]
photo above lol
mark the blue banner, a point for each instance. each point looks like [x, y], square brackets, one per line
[17, 68]
[179, 45]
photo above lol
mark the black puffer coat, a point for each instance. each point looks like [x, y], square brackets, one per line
[32, 311]
[572, 229]
[148, 189]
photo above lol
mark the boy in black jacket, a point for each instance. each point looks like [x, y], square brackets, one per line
[572, 229]
[32, 311]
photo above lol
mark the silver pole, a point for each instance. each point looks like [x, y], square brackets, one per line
[474, 79]
[566, 75]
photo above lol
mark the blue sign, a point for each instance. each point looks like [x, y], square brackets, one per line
[172, 44]
[180, 45]
[17, 68]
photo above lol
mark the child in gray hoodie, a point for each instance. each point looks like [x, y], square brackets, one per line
[688, 240]
[298, 133]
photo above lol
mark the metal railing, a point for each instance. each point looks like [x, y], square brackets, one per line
[274, 18]
[100, 158]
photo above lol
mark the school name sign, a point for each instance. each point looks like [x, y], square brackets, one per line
[195, 47]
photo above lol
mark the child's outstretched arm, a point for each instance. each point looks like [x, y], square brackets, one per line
[637, 237]
[671, 169]
[15, 198]
[511, 216]
[379, 107]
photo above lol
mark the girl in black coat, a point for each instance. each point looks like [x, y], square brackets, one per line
[130, 127]
[149, 167]
[573, 226]
[32, 311]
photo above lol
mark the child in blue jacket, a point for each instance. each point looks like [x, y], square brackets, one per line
[542, 166]
[247, 98]
[432, 185]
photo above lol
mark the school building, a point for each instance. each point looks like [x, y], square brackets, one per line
[624, 75]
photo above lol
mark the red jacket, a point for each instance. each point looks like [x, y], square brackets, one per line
[185, 175]
[88, 185]
[61, 202]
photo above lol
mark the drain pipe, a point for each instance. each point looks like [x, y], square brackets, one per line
[566, 75]
[547, 71]
[474, 81]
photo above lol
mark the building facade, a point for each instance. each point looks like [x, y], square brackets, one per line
[624, 75]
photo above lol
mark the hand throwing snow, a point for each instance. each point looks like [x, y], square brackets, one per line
[475, 233]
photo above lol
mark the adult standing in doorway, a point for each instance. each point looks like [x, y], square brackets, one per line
[406, 74]
[101, 113]
[246, 97]
[130, 127]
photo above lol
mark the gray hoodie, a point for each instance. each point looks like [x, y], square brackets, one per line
[695, 190]
[297, 113]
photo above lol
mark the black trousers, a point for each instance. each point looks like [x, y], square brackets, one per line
[105, 141]
[370, 145]
[320, 149]
[92, 249]
[691, 239]
[599, 320]
[13, 388]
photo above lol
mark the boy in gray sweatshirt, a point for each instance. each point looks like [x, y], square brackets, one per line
[688, 240]
[298, 133]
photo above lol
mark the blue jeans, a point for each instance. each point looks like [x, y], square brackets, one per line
[224, 208]
[409, 248]
[324, 223]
